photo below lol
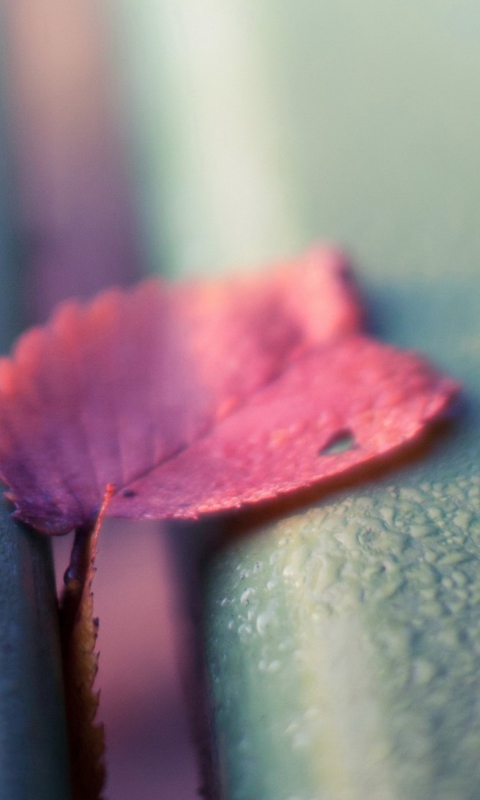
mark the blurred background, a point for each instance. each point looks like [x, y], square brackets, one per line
[191, 136]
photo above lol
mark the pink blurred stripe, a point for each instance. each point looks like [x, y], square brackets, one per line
[75, 216]
[76, 222]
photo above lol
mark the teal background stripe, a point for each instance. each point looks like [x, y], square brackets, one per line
[33, 747]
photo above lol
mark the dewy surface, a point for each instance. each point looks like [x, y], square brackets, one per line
[345, 641]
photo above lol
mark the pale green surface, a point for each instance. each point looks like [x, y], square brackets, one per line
[380, 126]
[211, 170]
[33, 752]
[259, 126]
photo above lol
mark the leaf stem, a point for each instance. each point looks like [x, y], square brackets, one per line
[78, 633]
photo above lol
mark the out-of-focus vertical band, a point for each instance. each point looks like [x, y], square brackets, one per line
[74, 220]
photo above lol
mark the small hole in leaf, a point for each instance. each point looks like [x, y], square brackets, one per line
[340, 443]
[68, 575]
[129, 493]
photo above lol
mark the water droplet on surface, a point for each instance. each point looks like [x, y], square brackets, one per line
[246, 595]
[244, 632]
[274, 666]
[265, 618]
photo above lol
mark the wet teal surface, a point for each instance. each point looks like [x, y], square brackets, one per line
[344, 639]
[33, 743]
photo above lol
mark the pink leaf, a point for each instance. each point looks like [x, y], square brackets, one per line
[201, 396]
